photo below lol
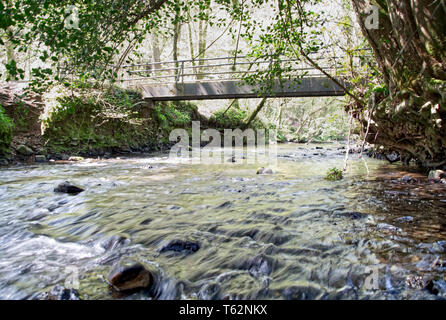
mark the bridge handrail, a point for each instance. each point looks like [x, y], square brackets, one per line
[181, 66]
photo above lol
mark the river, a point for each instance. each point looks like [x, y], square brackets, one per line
[289, 235]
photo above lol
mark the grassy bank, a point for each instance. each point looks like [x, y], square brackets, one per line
[93, 122]
[6, 127]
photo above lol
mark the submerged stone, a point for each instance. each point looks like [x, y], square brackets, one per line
[406, 219]
[225, 204]
[59, 292]
[124, 277]
[408, 179]
[67, 187]
[114, 242]
[180, 246]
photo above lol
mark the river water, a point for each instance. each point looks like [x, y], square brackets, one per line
[290, 235]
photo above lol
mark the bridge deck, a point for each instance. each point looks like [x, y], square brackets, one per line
[234, 89]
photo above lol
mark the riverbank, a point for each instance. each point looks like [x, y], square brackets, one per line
[90, 122]
[66, 123]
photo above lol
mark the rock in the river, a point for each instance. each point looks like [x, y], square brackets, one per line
[408, 179]
[40, 158]
[38, 214]
[263, 170]
[224, 205]
[59, 292]
[436, 175]
[124, 277]
[260, 265]
[406, 219]
[3, 162]
[67, 187]
[183, 246]
[232, 159]
[419, 282]
[392, 157]
[74, 159]
[24, 150]
[114, 242]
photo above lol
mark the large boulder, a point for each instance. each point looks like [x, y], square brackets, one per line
[436, 175]
[24, 150]
[130, 276]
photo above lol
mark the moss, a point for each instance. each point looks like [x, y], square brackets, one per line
[6, 128]
[88, 122]
[334, 174]
[92, 121]
[175, 114]
[232, 118]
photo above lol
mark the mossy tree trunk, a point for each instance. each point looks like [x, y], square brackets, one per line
[410, 49]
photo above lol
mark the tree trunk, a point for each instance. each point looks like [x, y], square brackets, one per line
[156, 52]
[410, 49]
[191, 46]
[202, 41]
[254, 114]
[176, 37]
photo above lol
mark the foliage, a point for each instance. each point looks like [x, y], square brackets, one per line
[94, 121]
[308, 119]
[83, 37]
[85, 120]
[175, 114]
[6, 127]
[232, 118]
[90, 39]
[333, 174]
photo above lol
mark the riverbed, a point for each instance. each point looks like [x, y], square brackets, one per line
[287, 235]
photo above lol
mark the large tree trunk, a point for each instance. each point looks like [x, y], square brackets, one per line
[410, 49]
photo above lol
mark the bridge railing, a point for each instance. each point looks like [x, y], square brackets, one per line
[227, 68]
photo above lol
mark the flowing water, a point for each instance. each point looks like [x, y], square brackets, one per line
[290, 235]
